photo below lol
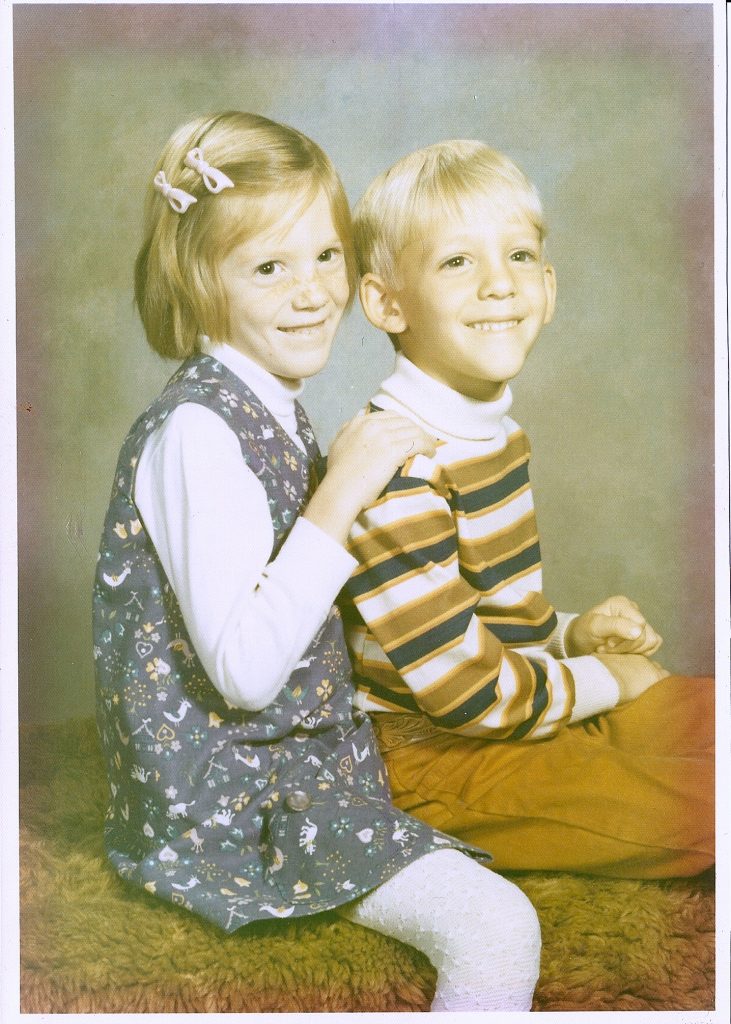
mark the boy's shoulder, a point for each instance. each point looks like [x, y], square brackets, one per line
[465, 464]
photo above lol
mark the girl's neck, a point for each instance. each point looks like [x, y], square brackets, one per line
[276, 393]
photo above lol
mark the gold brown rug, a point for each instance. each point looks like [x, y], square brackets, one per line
[91, 943]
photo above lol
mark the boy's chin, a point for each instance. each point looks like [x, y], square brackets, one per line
[483, 390]
[489, 386]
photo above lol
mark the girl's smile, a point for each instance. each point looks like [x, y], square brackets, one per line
[287, 289]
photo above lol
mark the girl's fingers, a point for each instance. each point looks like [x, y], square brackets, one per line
[411, 438]
[619, 647]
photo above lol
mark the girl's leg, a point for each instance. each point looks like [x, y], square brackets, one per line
[479, 931]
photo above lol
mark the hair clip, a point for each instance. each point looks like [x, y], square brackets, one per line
[178, 199]
[214, 180]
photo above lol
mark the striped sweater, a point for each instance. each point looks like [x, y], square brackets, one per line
[445, 614]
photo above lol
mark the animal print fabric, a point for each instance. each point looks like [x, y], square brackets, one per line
[234, 815]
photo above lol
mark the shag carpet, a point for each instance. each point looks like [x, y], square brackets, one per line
[92, 943]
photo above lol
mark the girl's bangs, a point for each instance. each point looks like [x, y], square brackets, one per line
[241, 216]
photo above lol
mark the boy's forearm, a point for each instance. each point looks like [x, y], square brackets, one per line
[412, 595]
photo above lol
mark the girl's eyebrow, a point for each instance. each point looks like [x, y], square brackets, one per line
[276, 251]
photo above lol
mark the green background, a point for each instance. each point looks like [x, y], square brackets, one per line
[609, 110]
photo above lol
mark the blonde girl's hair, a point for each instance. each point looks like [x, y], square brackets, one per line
[400, 205]
[276, 172]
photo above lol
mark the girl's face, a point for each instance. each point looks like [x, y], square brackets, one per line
[287, 288]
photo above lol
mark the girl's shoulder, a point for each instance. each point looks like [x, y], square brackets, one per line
[201, 394]
[191, 426]
[205, 381]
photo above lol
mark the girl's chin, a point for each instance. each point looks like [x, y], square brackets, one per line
[304, 367]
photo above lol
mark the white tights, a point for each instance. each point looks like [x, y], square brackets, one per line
[479, 931]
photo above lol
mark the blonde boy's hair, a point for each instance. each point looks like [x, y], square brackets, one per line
[400, 204]
[276, 170]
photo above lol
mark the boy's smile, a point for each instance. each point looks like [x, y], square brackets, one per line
[287, 288]
[472, 297]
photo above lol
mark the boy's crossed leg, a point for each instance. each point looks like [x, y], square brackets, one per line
[627, 794]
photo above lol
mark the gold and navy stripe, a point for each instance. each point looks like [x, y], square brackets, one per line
[448, 583]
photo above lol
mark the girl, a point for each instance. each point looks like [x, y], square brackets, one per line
[243, 783]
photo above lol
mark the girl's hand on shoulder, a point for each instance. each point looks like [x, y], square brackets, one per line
[363, 457]
[369, 449]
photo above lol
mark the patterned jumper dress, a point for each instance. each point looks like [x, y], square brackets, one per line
[237, 816]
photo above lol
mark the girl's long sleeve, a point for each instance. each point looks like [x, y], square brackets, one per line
[250, 619]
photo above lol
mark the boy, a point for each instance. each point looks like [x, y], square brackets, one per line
[459, 657]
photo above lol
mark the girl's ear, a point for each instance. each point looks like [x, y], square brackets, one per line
[380, 305]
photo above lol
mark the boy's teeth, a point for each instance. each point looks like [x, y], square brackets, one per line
[493, 325]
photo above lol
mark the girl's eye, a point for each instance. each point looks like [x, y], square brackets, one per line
[328, 255]
[455, 262]
[266, 269]
[523, 256]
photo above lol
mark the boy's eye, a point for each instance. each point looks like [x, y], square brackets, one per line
[524, 256]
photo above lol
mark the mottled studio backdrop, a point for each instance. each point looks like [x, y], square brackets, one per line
[608, 108]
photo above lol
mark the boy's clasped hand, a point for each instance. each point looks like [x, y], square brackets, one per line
[618, 634]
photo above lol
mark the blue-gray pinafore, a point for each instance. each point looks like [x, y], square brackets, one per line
[234, 815]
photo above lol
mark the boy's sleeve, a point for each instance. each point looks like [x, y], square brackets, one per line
[423, 614]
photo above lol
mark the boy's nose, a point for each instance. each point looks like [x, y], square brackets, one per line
[496, 283]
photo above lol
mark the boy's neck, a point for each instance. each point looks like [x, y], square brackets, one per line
[441, 407]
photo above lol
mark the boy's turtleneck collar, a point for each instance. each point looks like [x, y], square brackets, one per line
[442, 408]
[277, 394]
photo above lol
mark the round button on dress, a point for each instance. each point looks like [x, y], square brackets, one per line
[297, 800]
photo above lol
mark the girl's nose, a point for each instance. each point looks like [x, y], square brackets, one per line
[496, 282]
[309, 293]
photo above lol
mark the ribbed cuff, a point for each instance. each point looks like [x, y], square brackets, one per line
[556, 644]
[596, 688]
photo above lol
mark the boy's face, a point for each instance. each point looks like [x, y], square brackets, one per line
[474, 293]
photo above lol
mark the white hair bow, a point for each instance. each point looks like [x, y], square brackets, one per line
[177, 197]
[214, 180]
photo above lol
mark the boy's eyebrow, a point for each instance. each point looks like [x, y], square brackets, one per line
[521, 233]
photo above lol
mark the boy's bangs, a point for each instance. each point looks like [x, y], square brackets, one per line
[501, 201]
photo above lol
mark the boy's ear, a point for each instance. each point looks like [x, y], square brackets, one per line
[549, 277]
[380, 305]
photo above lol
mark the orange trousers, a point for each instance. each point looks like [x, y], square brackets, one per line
[626, 794]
